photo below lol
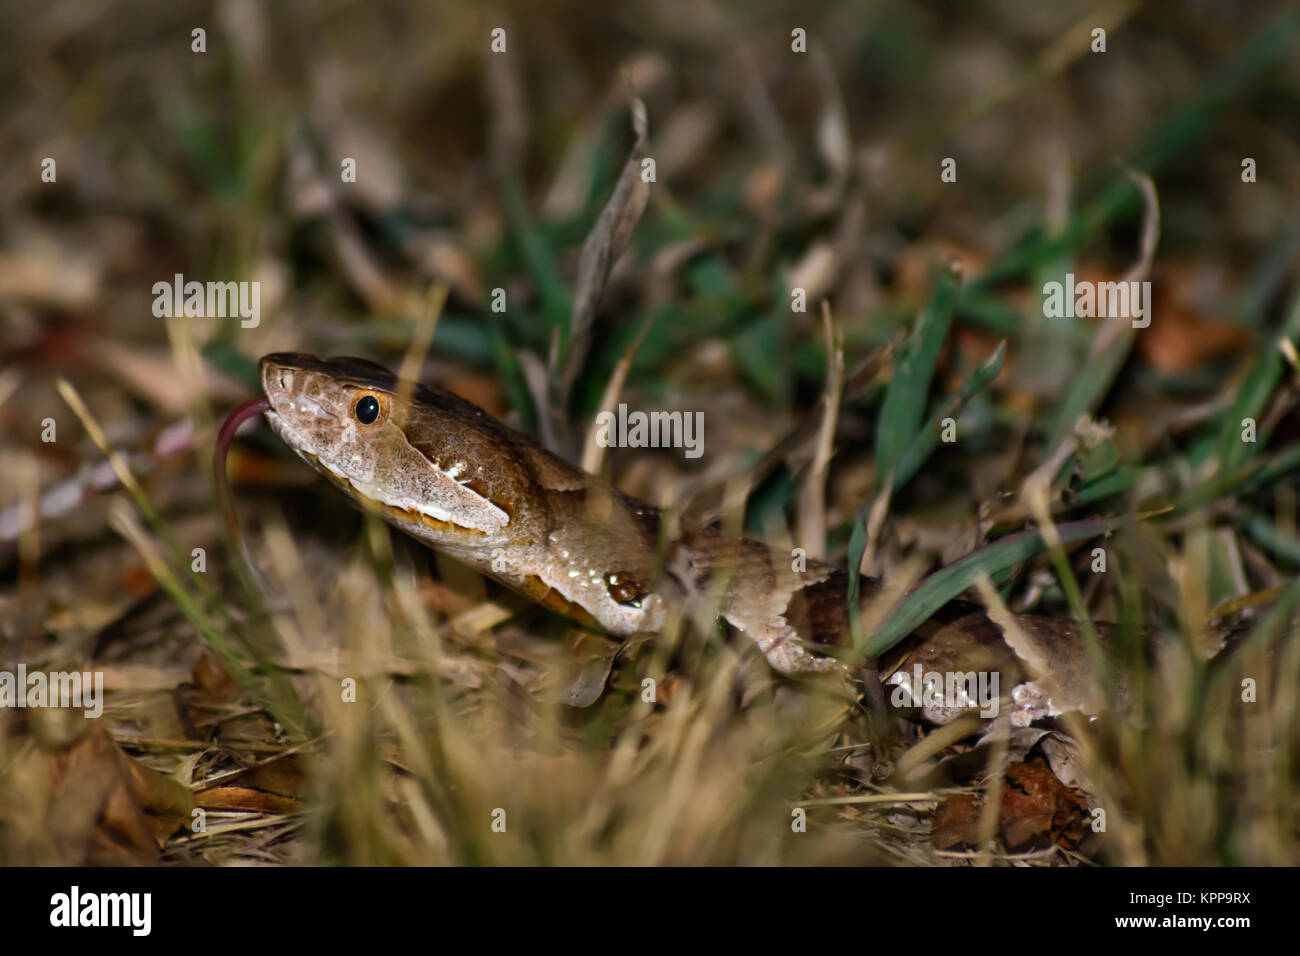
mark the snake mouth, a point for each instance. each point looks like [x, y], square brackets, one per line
[300, 407]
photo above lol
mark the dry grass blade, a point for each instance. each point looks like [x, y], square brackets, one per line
[607, 240]
[812, 497]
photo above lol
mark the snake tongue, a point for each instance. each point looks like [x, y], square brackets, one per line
[224, 437]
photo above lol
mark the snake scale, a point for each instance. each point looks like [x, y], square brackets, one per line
[445, 472]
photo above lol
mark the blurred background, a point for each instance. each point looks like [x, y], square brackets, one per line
[795, 146]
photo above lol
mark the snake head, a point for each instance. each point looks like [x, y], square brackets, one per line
[415, 454]
[337, 413]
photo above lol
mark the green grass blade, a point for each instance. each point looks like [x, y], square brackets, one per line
[906, 398]
[928, 438]
[944, 585]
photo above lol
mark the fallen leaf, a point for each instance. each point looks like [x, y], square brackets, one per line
[106, 808]
[956, 822]
[1182, 335]
[245, 799]
[1038, 810]
[212, 678]
[591, 660]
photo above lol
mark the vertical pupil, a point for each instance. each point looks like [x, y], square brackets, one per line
[367, 410]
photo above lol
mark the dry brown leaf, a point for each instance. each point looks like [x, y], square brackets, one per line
[50, 277]
[1182, 337]
[762, 188]
[912, 268]
[107, 808]
[213, 705]
[1038, 810]
[591, 659]
[956, 822]
[152, 375]
[283, 776]
[212, 678]
[245, 799]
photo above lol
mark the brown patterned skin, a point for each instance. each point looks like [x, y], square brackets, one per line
[444, 471]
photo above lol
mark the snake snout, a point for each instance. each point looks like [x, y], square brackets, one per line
[277, 372]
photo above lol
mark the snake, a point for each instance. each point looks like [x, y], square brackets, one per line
[445, 472]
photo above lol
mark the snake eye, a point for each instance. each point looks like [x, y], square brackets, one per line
[367, 410]
[624, 588]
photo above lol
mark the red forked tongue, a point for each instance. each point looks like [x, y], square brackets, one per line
[236, 418]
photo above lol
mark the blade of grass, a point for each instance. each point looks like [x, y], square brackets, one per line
[905, 399]
[944, 585]
[1253, 396]
[280, 700]
[927, 439]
